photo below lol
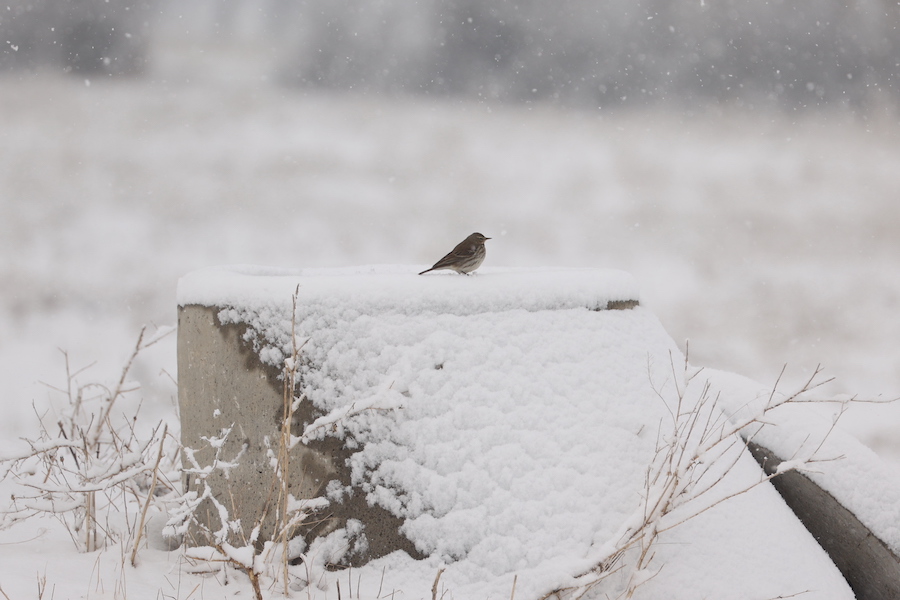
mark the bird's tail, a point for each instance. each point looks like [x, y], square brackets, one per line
[426, 271]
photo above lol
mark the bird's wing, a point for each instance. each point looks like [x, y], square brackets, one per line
[462, 251]
[448, 260]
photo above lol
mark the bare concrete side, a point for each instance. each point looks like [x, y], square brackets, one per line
[222, 384]
[867, 564]
[622, 304]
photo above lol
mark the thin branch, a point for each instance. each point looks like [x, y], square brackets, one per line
[140, 528]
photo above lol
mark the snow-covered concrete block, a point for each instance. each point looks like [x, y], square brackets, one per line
[234, 337]
[845, 495]
[496, 426]
[866, 561]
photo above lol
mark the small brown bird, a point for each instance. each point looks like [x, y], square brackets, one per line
[465, 258]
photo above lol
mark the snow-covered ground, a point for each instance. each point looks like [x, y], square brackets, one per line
[765, 239]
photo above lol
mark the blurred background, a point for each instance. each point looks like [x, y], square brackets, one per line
[740, 158]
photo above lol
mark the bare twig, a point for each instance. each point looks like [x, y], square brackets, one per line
[434, 586]
[150, 492]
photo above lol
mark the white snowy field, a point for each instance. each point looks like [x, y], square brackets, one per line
[765, 239]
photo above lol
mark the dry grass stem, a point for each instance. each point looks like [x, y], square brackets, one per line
[140, 527]
[434, 586]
